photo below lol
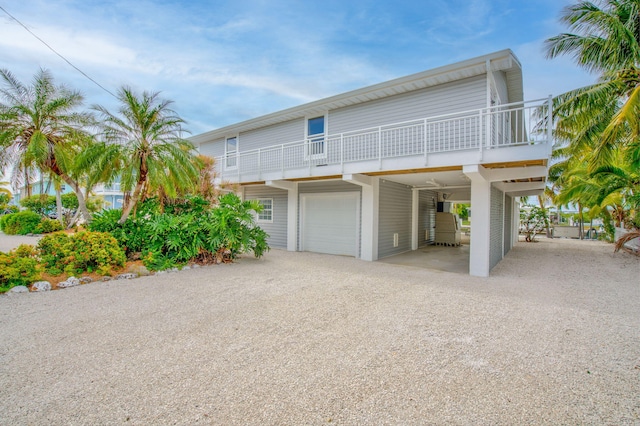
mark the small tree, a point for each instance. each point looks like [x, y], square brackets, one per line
[533, 219]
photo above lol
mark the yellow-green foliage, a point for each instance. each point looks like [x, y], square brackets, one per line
[20, 223]
[18, 267]
[48, 225]
[81, 252]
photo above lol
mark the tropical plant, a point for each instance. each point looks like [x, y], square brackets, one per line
[81, 252]
[19, 267]
[187, 230]
[4, 190]
[40, 129]
[533, 219]
[21, 223]
[605, 40]
[42, 204]
[142, 145]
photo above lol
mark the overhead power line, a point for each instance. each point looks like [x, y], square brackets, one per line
[54, 51]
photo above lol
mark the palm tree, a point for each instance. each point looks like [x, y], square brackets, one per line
[4, 190]
[605, 40]
[142, 146]
[40, 129]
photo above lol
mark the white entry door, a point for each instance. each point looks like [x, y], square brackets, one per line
[330, 223]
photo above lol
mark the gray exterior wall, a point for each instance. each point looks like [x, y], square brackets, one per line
[457, 96]
[508, 223]
[324, 187]
[461, 95]
[394, 216]
[426, 216]
[277, 230]
[501, 86]
[289, 131]
[496, 227]
[213, 149]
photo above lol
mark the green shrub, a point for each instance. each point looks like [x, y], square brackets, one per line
[39, 203]
[188, 230]
[19, 267]
[21, 223]
[81, 252]
[47, 226]
[132, 236]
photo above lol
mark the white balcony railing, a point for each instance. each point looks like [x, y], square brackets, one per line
[483, 129]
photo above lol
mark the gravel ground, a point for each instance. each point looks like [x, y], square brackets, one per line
[9, 242]
[552, 337]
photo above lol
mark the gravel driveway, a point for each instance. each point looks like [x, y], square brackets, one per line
[552, 337]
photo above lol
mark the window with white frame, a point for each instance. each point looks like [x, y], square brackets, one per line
[231, 152]
[266, 215]
[315, 137]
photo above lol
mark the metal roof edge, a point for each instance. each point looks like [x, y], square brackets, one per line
[300, 110]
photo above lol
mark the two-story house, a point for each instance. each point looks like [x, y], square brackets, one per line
[363, 173]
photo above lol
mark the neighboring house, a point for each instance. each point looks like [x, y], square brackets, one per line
[110, 194]
[362, 173]
[43, 186]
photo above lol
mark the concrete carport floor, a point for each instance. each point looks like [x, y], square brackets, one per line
[439, 258]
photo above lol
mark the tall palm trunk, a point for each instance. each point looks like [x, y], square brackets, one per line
[580, 225]
[126, 210]
[548, 228]
[82, 205]
[59, 205]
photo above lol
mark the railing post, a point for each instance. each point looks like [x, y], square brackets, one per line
[282, 160]
[309, 151]
[259, 163]
[380, 147]
[342, 152]
[489, 128]
[426, 142]
[480, 135]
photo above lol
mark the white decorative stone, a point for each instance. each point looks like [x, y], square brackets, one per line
[85, 280]
[41, 286]
[126, 276]
[19, 289]
[69, 282]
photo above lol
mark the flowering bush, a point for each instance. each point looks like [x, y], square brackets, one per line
[18, 267]
[81, 252]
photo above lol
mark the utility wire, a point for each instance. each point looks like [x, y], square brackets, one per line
[54, 51]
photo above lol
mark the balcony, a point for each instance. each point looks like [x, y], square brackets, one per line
[486, 135]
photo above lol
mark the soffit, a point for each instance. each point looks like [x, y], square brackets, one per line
[503, 60]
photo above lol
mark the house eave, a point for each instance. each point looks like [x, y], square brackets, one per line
[503, 60]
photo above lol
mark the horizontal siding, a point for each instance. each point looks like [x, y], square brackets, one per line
[495, 227]
[290, 131]
[213, 149]
[278, 229]
[461, 95]
[508, 223]
[426, 216]
[501, 86]
[394, 217]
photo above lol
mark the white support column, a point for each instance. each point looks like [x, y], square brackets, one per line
[516, 223]
[292, 210]
[480, 258]
[369, 214]
[415, 214]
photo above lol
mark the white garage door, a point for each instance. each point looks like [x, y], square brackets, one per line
[330, 223]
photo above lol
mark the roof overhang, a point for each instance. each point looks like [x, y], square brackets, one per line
[504, 61]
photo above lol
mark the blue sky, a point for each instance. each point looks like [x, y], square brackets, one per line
[226, 61]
